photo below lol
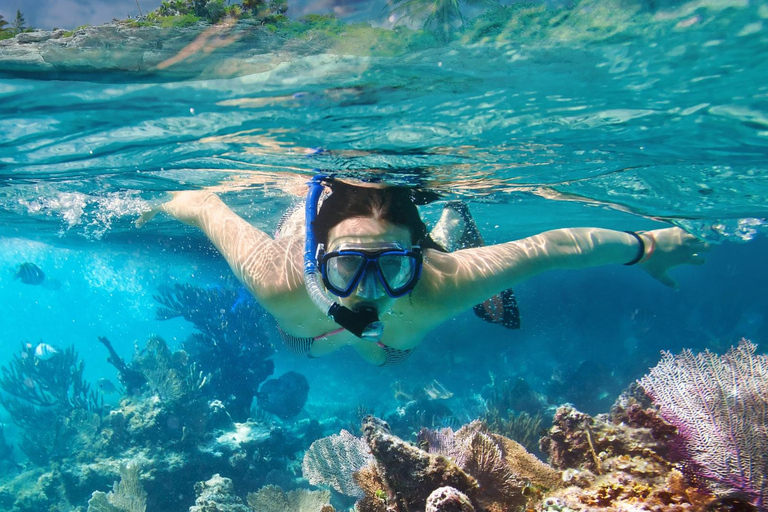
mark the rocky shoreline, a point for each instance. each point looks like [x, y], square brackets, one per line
[198, 51]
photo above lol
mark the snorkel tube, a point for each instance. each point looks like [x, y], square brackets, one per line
[363, 322]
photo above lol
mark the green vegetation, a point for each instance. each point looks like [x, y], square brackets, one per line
[18, 26]
[4, 32]
[70, 33]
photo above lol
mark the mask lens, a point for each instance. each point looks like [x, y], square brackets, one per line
[397, 270]
[343, 269]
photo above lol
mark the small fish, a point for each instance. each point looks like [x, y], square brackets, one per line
[106, 386]
[29, 273]
[44, 352]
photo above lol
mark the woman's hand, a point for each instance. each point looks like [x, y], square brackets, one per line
[673, 247]
[185, 206]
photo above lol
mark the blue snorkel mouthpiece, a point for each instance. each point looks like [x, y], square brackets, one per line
[364, 321]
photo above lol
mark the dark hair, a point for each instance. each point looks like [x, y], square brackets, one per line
[392, 204]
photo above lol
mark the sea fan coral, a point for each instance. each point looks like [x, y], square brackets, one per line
[332, 461]
[127, 495]
[720, 406]
[272, 498]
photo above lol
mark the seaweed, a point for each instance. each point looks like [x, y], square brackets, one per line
[231, 344]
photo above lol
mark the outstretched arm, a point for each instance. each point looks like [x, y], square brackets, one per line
[461, 279]
[265, 266]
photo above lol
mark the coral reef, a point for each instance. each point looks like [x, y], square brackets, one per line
[466, 470]
[217, 495]
[502, 467]
[719, 406]
[132, 380]
[448, 499]
[166, 423]
[127, 496]
[333, 460]
[51, 401]
[411, 474]
[272, 498]
[231, 344]
[610, 465]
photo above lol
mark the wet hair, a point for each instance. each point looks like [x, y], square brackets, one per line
[396, 205]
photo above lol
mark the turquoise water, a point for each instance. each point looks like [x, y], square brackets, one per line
[659, 117]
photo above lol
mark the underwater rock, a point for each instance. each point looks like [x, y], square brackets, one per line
[284, 396]
[614, 466]
[218, 417]
[242, 436]
[448, 499]
[217, 495]
[410, 473]
[503, 468]
[577, 440]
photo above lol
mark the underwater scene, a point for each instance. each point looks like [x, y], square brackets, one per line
[586, 331]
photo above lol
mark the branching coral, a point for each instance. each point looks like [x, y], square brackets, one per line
[514, 411]
[57, 381]
[169, 375]
[231, 345]
[50, 400]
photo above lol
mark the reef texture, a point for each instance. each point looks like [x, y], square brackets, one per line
[272, 498]
[448, 499]
[609, 465]
[169, 430]
[471, 469]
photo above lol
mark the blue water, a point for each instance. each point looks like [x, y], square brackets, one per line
[657, 118]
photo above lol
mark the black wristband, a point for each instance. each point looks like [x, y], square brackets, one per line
[640, 250]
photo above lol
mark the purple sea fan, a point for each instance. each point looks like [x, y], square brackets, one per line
[720, 407]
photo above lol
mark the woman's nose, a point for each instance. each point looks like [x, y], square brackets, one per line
[369, 287]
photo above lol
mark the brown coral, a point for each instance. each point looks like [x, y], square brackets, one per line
[632, 475]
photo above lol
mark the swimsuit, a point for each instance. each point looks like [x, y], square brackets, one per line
[302, 346]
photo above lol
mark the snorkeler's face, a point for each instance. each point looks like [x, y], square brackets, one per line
[362, 233]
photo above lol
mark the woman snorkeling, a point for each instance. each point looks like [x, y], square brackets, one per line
[357, 266]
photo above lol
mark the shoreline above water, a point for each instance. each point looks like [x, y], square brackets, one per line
[201, 51]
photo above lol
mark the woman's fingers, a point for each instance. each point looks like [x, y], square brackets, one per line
[146, 217]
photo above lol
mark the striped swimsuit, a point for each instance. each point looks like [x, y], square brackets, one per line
[302, 346]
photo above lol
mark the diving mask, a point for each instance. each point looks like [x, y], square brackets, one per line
[397, 268]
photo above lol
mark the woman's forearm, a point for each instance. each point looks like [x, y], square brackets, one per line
[590, 247]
